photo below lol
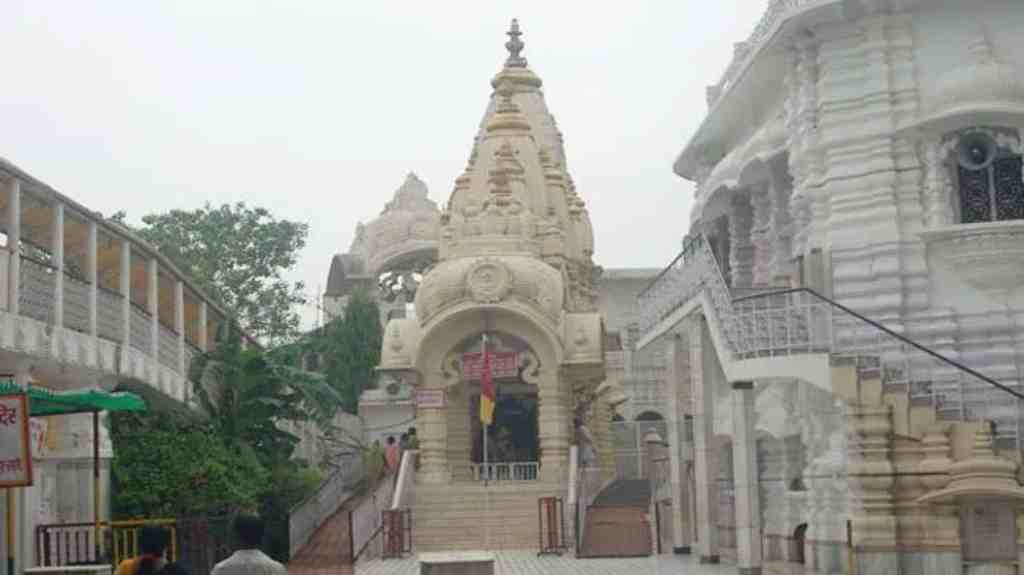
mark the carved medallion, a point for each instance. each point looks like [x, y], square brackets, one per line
[488, 281]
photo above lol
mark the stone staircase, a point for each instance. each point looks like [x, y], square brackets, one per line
[618, 523]
[471, 516]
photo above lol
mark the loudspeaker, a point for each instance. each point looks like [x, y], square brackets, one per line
[975, 151]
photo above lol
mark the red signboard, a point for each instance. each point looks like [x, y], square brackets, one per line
[503, 364]
[15, 454]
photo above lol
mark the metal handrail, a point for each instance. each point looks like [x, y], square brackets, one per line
[687, 244]
[886, 330]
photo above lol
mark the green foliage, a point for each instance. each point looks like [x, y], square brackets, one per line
[167, 466]
[235, 458]
[350, 349]
[238, 255]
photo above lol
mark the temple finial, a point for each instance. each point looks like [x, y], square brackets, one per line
[514, 46]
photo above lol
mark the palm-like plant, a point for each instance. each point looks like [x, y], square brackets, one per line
[247, 395]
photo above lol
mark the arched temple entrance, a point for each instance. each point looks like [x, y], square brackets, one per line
[513, 442]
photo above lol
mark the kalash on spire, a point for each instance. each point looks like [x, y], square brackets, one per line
[516, 196]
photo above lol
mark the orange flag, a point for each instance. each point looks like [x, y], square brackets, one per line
[487, 391]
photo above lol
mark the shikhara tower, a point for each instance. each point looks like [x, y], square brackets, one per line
[515, 261]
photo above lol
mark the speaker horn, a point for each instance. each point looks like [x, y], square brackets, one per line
[976, 151]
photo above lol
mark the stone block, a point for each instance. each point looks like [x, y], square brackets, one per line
[461, 563]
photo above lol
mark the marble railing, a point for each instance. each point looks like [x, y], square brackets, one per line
[801, 321]
[36, 289]
[505, 471]
[743, 51]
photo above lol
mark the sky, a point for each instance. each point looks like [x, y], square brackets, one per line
[316, 110]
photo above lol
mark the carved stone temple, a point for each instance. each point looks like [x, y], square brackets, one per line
[514, 262]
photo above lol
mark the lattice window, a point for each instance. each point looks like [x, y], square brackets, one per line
[990, 176]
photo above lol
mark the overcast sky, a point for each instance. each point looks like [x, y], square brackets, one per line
[317, 110]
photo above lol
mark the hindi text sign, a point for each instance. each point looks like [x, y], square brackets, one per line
[430, 398]
[503, 364]
[15, 454]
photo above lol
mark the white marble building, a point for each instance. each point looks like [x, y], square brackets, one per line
[869, 150]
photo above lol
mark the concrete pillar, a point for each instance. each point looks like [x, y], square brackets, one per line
[126, 293]
[179, 323]
[14, 244]
[57, 251]
[553, 427]
[92, 275]
[673, 349]
[153, 307]
[745, 485]
[201, 331]
[702, 356]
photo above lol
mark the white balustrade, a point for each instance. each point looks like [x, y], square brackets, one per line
[307, 516]
[505, 471]
[60, 311]
[405, 490]
[786, 322]
[367, 521]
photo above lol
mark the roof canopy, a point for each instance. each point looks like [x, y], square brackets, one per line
[43, 402]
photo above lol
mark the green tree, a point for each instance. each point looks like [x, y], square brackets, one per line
[247, 395]
[238, 255]
[350, 349]
[166, 465]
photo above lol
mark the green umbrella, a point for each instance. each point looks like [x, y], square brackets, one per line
[44, 402]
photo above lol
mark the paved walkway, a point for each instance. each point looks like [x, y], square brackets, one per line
[528, 563]
[327, 551]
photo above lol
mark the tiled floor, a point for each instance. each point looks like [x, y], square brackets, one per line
[327, 552]
[528, 563]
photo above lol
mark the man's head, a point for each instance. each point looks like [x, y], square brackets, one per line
[249, 529]
[412, 431]
[153, 539]
[391, 440]
[405, 437]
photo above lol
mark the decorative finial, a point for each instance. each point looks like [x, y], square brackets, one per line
[514, 47]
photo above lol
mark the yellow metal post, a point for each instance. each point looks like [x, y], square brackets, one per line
[9, 529]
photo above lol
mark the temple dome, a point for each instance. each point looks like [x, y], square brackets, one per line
[407, 228]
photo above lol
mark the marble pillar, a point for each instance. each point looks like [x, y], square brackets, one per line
[745, 484]
[871, 478]
[553, 415]
[460, 427]
[674, 348]
[741, 253]
[761, 234]
[432, 428]
[705, 462]
[601, 428]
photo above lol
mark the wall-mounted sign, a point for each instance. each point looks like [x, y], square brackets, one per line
[15, 452]
[503, 364]
[430, 398]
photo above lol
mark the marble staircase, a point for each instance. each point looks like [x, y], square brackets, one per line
[464, 516]
[618, 522]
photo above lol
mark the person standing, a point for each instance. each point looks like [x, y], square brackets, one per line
[392, 454]
[248, 559]
[153, 542]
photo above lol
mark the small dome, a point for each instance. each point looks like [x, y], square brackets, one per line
[982, 83]
[410, 225]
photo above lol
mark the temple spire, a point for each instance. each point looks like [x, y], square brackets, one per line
[514, 46]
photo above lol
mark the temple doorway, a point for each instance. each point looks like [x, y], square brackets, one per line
[513, 445]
